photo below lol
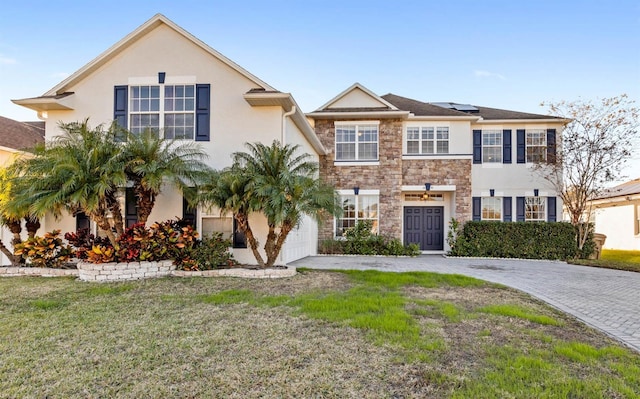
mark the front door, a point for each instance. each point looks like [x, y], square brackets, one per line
[424, 225]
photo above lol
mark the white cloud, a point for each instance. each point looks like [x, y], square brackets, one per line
[6, 60]
[487, 74]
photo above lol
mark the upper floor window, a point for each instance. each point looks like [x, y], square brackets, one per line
[491, 146]
[536, 145]
[535, 209]
[163, 108]
[491, 208]
[357, 142]
[427, 140]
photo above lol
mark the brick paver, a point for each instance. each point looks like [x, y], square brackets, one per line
[606, 299]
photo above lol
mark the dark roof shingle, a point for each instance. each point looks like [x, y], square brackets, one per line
[420, 108]
[20, 135]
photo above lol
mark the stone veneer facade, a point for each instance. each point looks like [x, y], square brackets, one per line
[390, 175]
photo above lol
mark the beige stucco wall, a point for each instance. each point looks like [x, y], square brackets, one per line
[617, 223]
[233, 121]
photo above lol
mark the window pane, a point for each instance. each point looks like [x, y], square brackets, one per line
[413, 147]
[168, 91]
[413, 133]
[443, 147]
[189, 104]
[427, 133]
[491, 208]
[346, 151]
[144, 91]
[368, 151]
[189, 91]
[443, 133]
[155, 91]
[427, 147]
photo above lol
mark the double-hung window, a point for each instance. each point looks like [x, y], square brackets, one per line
[169, 109]
[427, 140]
[535, 209]
[491, 208]
[536, 143]
[491, 146]
[357, 208]
[357, 142]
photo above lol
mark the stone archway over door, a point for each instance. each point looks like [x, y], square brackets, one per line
[424, 225]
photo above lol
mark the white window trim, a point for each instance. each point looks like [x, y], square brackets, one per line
[501, 146]
[355, 161]
[360, 192]
[545, 203]
[420, 140]
[500, 203]
[161, 110]
[527, 146]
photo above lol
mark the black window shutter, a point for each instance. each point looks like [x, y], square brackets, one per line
[476, 208]
[477, 146]
[189, 214]
[520, 209]
[120, 105]
[551, 212]
[203, 112]
[521, 148]
[506, 146]
[506, 209]
[130, 208]
[551, 145]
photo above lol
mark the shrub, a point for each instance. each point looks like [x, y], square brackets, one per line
[46, 251]
[83, 242]
[360, 240]
[212, 252]
[542, 240]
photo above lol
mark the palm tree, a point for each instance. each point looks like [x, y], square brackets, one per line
[80, 170]
[151, 161]
[277, 182]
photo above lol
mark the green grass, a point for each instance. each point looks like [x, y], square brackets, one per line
[318, 334]
[521, 313]
[613, 259]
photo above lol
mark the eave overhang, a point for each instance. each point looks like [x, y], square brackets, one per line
[359, 115]
[60, 102]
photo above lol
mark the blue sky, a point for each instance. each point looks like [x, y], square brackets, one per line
[504, 54]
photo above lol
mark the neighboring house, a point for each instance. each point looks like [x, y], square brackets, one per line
[616, 214]
[411, 166]
[16, 138]
[161, 76]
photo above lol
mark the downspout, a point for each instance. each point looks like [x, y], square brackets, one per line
[284, 123]
[282, 135]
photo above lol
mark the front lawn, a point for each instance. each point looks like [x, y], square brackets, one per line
[614, 259]
[319, 334]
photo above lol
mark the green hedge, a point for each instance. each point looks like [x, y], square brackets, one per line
[516, 240]
[359, 240]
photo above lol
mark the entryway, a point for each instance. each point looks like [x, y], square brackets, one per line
[424, 225]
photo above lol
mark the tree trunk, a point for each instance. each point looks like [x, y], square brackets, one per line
[15, 227]
[277, 247]
[116, 213]
[146, 200]
[103, 222]
[15, 260]
[32, 224]
[243, 225]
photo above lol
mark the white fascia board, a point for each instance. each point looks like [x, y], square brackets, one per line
[367, 114]
[364, 89]
[498, 121]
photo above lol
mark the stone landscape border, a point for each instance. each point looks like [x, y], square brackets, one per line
[277, 272]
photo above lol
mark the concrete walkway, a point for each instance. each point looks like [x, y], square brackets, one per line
[606, 299]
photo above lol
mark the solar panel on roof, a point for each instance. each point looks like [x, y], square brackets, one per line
[465, 108]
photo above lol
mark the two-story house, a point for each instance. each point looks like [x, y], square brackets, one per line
[162, 77]
[410, 166]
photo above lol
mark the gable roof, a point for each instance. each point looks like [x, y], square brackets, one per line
[622, 190]
[52, 99]
[20, 135]
[358, 101]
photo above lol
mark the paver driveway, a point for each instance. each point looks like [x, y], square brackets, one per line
[603, 298]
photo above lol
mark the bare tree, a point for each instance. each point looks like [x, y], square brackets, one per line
[593, 150]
